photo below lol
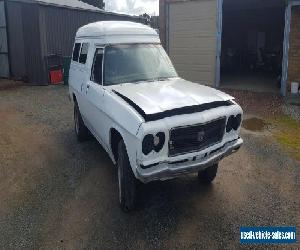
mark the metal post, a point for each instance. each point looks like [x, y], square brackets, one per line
[286, 45]
[219, 42]
[167, 36]
[7, 37]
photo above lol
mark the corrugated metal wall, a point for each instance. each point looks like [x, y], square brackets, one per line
[32, 45]
[45, 30]
[4, 63]
[61, 25]
[15, 39]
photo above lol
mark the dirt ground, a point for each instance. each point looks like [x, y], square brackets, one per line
[57, 193]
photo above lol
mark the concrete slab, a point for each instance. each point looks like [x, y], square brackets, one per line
[257, 82]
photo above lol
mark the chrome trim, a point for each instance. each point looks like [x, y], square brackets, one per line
[165, 170]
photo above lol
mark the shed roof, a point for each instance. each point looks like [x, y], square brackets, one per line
[70, 3]
[74, 4]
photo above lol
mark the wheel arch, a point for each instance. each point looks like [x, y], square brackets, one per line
[114, 139]
[74, 98]
[115, 136]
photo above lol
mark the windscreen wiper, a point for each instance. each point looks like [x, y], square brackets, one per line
[143, 80]
[162, 79]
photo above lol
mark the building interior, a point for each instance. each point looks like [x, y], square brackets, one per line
[252, 44]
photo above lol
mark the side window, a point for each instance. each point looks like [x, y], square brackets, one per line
[97, 66]
[76, 52]
[83, 53]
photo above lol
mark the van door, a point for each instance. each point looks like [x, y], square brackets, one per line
[79, 75]
[95, 95]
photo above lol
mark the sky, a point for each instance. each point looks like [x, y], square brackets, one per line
[133, 7]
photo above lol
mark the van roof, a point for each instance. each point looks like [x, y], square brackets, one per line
[118, 32]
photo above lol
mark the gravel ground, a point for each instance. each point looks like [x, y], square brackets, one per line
[266, 104]
[57, 193]
[260, 104]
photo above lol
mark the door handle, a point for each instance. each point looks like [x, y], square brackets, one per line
[87, 88]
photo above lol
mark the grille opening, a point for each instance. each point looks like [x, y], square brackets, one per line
[196, 137]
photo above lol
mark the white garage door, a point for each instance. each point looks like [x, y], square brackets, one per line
[191, 33]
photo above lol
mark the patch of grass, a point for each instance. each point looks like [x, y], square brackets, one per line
[287, 133]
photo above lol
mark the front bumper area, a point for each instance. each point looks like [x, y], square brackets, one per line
[168, 169]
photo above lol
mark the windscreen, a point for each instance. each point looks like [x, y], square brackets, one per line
[135, 63]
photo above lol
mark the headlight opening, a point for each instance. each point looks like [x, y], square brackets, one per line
[147, 144]
[159, 141]
[153, 142]
[233, 122]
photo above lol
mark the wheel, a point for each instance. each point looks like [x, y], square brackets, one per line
[209, 174]
[126, 180]
[81, 130]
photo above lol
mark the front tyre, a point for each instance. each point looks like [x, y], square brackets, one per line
[81, 130]
[209, 174]
[126, 180]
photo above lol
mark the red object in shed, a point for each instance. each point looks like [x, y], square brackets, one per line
[56, 76]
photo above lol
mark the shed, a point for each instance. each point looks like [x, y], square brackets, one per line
[34, 32]
[249, 44]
